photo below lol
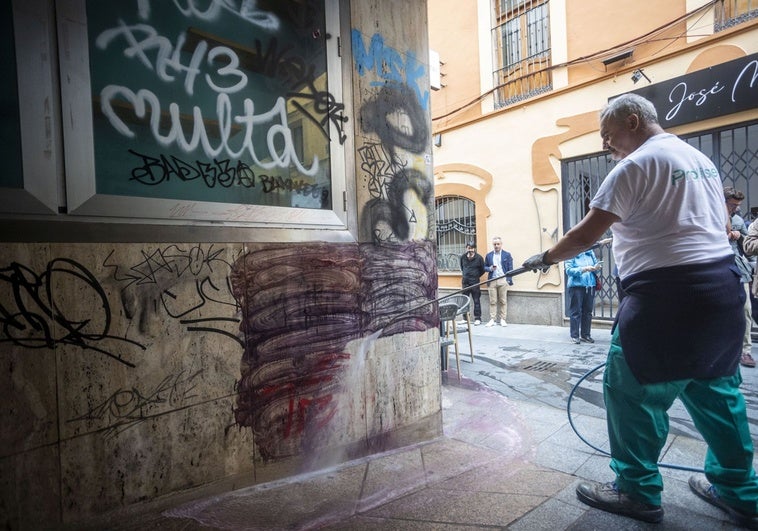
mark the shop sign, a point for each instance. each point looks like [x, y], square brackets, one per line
[716, 91]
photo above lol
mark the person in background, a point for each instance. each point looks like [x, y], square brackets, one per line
[750, 246]
[497, 263]
[735, 232]
[679, 327]
[472, 269]
[582, 278]
[754, 262]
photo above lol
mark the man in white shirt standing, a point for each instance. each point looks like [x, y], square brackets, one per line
[497, 263]
[679, 326]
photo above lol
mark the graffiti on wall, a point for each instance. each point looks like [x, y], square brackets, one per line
[301, 306]
[292, 308]
[391, 67]
[128, 407]
[33, 315]
[65, 303]
[396, 113]
[149, 294]
[193, 98]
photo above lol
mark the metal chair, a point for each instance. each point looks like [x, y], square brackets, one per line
[463, 302]
[448, 312]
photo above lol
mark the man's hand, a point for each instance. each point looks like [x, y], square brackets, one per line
[537, 263]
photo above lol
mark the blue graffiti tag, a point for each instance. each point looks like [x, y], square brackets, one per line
[389, 65]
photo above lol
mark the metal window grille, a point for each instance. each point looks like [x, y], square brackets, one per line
[732, 12]
[521, 37]
[456, 225]
[537, 31]
[734, 151]
[581, 179]
[511, 42]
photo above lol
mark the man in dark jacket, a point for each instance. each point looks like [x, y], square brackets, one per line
[472, 268]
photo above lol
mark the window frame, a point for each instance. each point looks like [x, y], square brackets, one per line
[515, 77]
[39, 117]
[467, 204]
[72, 196]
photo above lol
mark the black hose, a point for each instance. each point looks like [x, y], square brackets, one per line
[585, 441]
[568, 409]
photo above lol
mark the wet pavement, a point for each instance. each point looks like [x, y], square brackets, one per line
[540, 364]
[510, 457]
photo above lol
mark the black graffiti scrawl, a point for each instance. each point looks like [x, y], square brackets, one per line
[397, 118]
[33, 316]
[400, 207]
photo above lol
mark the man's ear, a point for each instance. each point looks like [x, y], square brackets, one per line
[634, 122]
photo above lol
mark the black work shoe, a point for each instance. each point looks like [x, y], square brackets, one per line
[575, 340]
[701, 487]
[607, 497]
[587, 339]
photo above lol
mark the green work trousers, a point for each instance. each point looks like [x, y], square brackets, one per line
[638, 425]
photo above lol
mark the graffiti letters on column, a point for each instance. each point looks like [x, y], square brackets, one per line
[401, 195]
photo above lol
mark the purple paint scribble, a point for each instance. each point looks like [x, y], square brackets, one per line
[301, 305]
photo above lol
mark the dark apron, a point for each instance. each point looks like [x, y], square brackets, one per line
[683, 322]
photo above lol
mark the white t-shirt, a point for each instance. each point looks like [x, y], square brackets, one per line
[670, 199]
[497, 261]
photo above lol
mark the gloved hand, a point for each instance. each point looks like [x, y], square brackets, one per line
[537, 263]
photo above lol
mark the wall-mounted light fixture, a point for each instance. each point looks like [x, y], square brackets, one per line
[626, 54]
[639, 74]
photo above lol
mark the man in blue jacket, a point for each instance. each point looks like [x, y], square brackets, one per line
[497, 263]
[582, 279]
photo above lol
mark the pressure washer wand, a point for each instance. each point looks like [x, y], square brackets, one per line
[511, 273]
